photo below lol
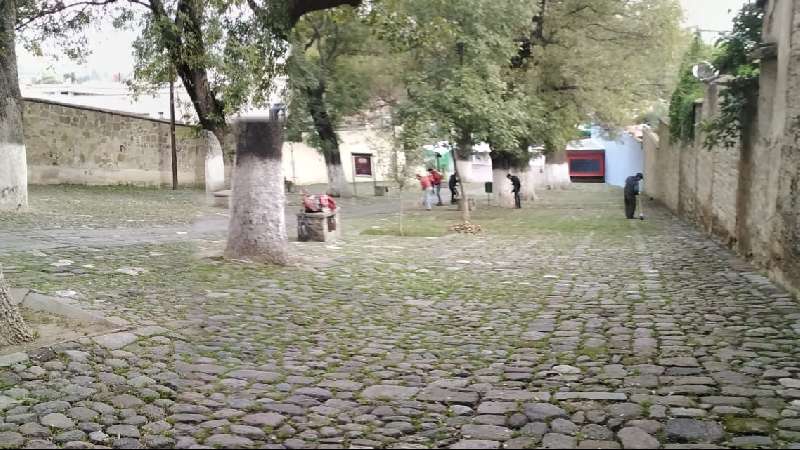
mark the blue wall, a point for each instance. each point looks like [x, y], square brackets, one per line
[624, 155]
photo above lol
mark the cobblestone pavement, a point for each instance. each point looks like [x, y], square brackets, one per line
[561, 326]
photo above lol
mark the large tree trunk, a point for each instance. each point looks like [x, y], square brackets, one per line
[337, 183]
[13, 164]
[502, 188]
[215, 163]
[13, 329]
[528, 177]
[258, 226]
[183, 40]
[500, 183]
[504, 163]
[556, 170]
[463, 155]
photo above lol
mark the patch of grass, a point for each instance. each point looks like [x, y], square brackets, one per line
[746, 425]
[59, 206]
[408, 229]
[593, 352]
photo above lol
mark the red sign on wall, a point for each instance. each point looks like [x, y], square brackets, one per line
[363, 165]
[584, 163]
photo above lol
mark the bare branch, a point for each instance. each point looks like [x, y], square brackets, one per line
[628, 34]
[299, 8]
[59, 7]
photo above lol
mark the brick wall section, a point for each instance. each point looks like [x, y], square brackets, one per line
[73, 144]
[747, 196]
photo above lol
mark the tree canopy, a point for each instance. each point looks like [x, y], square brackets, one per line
[733, 57]
[226, 52]
[520, 73]
[329, 48]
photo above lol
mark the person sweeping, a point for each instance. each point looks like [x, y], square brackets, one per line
[516, 188]
[453, 185]
[631, 192]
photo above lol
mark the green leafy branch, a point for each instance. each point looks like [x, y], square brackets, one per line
[739, 96]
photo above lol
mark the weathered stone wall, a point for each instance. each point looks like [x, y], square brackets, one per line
[73, 144]
[725, 180]
[787, 267]
[662, 167]
[80, 145]
[749, 195]
[650, 146]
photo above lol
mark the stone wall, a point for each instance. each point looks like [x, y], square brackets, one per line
[662, 166]
[73, 144]
[747, 196]
[787, 34]
[80, 145]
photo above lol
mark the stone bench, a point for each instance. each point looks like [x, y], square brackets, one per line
[318, 227]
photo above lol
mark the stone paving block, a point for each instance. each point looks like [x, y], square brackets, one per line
[13, 359]
[601, 396]
[497, 407]
[435, 394]
[115, 341]
[632, 437]
[475, 444]
[691, 431]
[382, 392]
[486, 432]
[517, 396]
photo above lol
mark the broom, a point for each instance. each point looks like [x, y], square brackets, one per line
[641, 211]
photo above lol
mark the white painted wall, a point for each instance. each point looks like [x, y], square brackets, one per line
[480, 172]
[556, 176]
[624, 156]
[303, 164]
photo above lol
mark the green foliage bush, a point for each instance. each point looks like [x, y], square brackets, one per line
[738, 99]
[688, 90]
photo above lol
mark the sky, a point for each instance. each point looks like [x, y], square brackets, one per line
[111, 48]
[711, 14]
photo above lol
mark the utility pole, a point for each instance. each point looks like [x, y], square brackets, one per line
[172, 132]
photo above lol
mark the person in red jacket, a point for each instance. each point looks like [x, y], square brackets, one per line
[436, 180]
[426, 184]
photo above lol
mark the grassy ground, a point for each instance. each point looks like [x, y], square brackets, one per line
[74, 206]
[573, 212]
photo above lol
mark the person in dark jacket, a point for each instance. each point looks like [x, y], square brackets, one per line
[453, 183]
[516, 190]
[631, 191]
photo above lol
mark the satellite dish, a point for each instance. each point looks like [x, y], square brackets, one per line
[704, 71]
